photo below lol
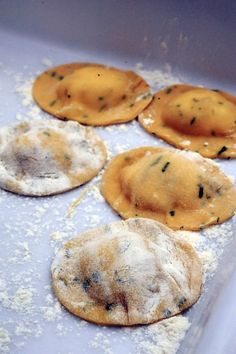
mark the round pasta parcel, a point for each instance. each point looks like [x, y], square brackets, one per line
[91, 94]
[178, 188]
[40, 158]
[194, 118]
[129, 272]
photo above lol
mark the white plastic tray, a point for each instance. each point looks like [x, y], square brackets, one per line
[34, 35]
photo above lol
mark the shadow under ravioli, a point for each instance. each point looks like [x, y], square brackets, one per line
[194, 118]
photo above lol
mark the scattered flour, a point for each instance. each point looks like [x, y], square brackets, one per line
[161, 338]
[158, 79]
[101, 341]
[185, 142]
[22, 299]
[35, 228]
[47, 62]
[51, 313]
[148, 121]
[24, 88]
[4, 340]
[164, 47]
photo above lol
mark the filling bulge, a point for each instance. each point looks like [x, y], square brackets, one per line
[201, 113]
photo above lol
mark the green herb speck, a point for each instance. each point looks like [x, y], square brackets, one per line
[164, 168]
[46, 133]
[167, 313]
[86, 284]
[52, 103]
[64, 281]
[181, 301]
[108, 306]
[213, 133]
[223, 149]
[76, 280]
[96, 277]
[67, 253]
[200, 191]
[155, 162]
[127, 158]
[66, 157]
[104, 106]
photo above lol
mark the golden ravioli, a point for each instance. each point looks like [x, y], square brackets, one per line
[47, 157]
[129, 272]
[91, 94]
[194, 118]
[178, 188]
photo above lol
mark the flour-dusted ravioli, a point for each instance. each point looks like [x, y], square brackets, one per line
[47, 157]
[129, 272]
[91, 94]
[194, 118]
[178, 188]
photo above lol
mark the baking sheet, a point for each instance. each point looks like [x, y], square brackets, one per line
[32, 229]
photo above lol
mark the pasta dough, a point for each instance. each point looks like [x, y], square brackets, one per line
[178, 188]
[194, 118]
[46, 157]
[91, 94]
[126, 273]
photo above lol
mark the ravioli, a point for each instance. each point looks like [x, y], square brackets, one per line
[129, 272]
[47, 157]
[193, 118]
[91, 94]
[178, 188]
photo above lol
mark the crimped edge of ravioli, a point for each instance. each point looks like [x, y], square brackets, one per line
[42, 88]
[112, 192]
[211, 147]
[10, 184]
[97, 314]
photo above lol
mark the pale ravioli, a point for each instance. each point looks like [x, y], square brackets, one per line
[91, 94]
[47, 157]
[129, 272]
[194, 118]
[178, 188]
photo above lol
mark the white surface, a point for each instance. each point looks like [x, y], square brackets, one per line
[27, 224]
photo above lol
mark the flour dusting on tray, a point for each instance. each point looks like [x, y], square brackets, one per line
[36, 228]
